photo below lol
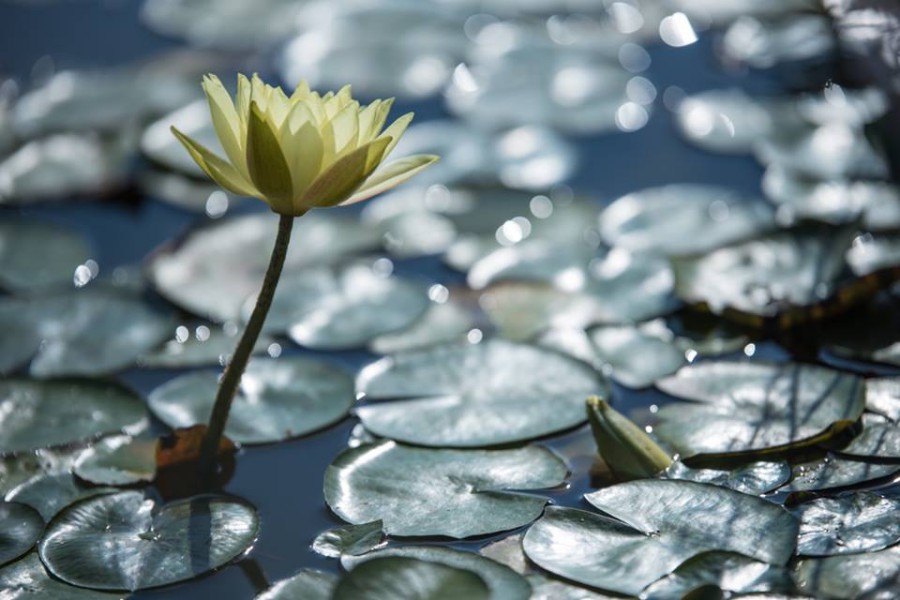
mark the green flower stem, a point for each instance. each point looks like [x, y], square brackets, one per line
[235, 369]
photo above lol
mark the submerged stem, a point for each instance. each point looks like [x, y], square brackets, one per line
[235, 369]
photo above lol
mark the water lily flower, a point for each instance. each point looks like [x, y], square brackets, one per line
[626, 449]
[304, 151]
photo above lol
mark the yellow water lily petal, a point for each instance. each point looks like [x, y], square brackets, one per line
[342, 178]
[243, 104]
[379, 118]
[344, 130]
[217, 168]
[395, 130]
[301, 92]
[303, 151]
[225, 121]
[266, 163]
[299, 115]
[391, 175]
[279, 106]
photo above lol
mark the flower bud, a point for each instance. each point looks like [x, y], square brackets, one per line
[628, 451]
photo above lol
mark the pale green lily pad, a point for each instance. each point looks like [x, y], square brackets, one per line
[788, 270]
[349, 539]
[36, 256]
[444, 323]
[874, 575]
[217, 268]
[755, 478]
[418, 233]
[454, 493]
[475, 395]
[207, 346]
[683, 219]
[653, 527]
[852, 524]
[834, 473]
[409, 579]
[534, 260]
[503, 582]
[39, 414]
[27, 579]
[126, 542]
[725, 120]
[118, 460]
[277, 399]
[49, 493]
[637, 356]
[305, 585]
[742, 409]
[20, 528]
[873, 253]
[883, 397]
[879, 439]
[85, 332]
[18, 468]
[337, 309]
[723, 571]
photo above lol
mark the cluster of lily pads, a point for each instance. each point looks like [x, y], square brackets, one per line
[471, 410]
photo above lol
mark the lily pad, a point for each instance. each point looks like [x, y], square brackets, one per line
[534, 260]
[277, 400]
[410, 579]
[308, 584]
[503, 582]
[742, 409]
[208, 346]
[20, 528]
[28, 579]
[85, 332]
[126, 542]
[834, 473]
[874, 575]
[755, 478]
[724, 571]
[873, 253]
[454, 493]
[217, 268]
[725, 121]
[49, 493]
[36, 256]
[852, 524]
[40, 414]
[797, 39]
[879, 439]
[118, 460]
[653, 526]
[637, 356]
[683, 219]
[883, 396]
[442, 323]
[475, 395]
[351, 540]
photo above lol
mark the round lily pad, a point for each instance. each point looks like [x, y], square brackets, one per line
[217, 268]
[308, 584]
[879, 439]
[35, 255]
[53, 413]
[27, 578]
[503, 582]
[883, 396]
[126, 542]
[441, 324]
[682, 219]
[755, 478]
[453, 493]
[724, 571]
[49, 493]
[755, 409]
[475, 395]
[20, 528]
[410, 579]
[804, 39]
[118, 460]
[874, 253]
[637, 356]
[726, 120]
[852, 524]
[653, 526]
[534, 260]
[834, 473]
[208, 346]
[85, 332]
[872, 575]
[277, 400]
[349, 539]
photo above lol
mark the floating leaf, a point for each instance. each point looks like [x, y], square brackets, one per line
[305, 585]
[741, 409]
[756, 478]
[441, 324]
[883, 397]
[349, 539]
[49, 493]
[474, 395]
[35, 255]
[835, 473]
[653, 527]
[409, 579]
[637, 356]
[872, 254]
[86, 332]
[38, 414]
[125, 542]
[119, 460]
[277, 400]
[18, 468]
[682, 219]
[503, 582]
[874, 575]
[414, 234]
[725, 121]
[724, 571]
[879, 439]
[20, 528]
[454, 493]
[804, 39]
[860, 522]
[208, 346]
[565, 266]
[27, 578]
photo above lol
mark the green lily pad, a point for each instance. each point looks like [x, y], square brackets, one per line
[126, 542]
[874, 575]
[533, 260]
[883, 397]
[217, 268]
[118, 460]
[475, 395]
[444, 323]
[208, 346]
[834, 473]
[653, 526]
[336, 309]
[349, 539]
[410, 579]
[755, 478]
[277, 400]
[873, 253]
[85, 332]
[49, 493]
[503, 582]
[683, 219]
[454, 493]
[725, 120]
[28, 579]
[637, 356]
[16, 469]
[723, 571]
[20, 528]
[853, 524]
[742, 409]
[36, 256]
[308, 584]
[879, 439]
[417, 233]
[40, 414]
